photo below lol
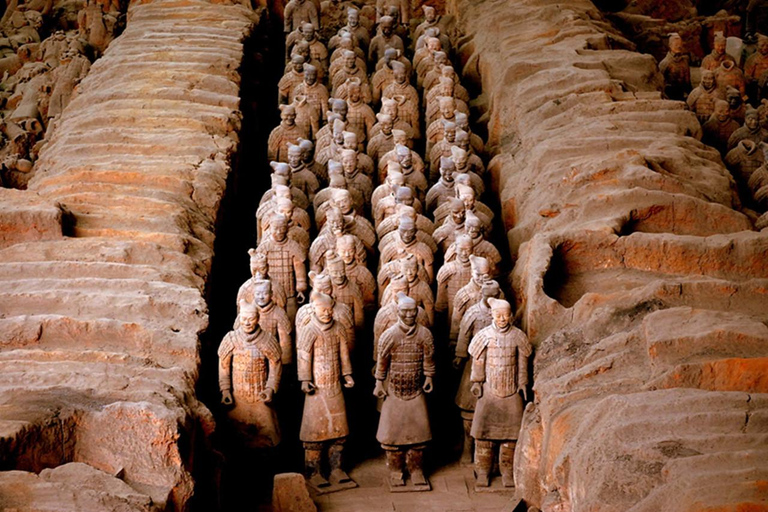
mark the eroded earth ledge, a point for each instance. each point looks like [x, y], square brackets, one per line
[639, 280]
[104, 262]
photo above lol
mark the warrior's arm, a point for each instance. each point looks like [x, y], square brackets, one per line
[478, 367]
[429, 356]
[300, 271]
[225, 372]
[275, 372]
[346, 362]
[284, 338]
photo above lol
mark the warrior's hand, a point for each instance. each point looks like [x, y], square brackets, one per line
[226, 397]
[266, 395]
[379, 391]
[300, 298]
[427, 387]
[457, 362]
[307, 387]
[525, 394]
[348, 381]
[477, 390]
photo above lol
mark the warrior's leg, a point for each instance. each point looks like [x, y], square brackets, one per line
[313, 453]
[483, 462]
[507, 463]
[395, 464]
[468, 446]
[415, 463]
[337, 476]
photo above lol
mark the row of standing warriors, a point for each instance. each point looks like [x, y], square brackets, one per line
[358, 216]
[731, 104]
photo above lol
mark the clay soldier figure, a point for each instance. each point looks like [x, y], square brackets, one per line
[308, 160]
[302, 177]
[364, 162]
[293, 77]
[390, 107]
[345, 41]
[357, 273]
[480, 246]
[421, 235]
[468, 195]
[282, 203]
[386, 316]
[333, 16]
[431, 19]
[462, 140]
[737, 109]
[287, 132]
[307, 116]
[384, 74]
[354, 27]
[400, 194]
[282, 176]
[259, 272]
[355, 179]
[730, 75]
[296, 233]
[323, 363]
[719, 128]
[469, 294]
[444, 189]
[418, 290]
[401, 138]
[287, 263]
[750, 131]
[298, 12]
[302, 49]
[407, 241]
[249, 374]
[477, 318]
[743, 161]
[453, 226]
[445, 87]
[712, 61]
[317, 49]
[461, 165]
[349, 70]
[406, 361]
[757, 63]
[475, 142]
[360, 115]
[405, 208]
[702, 99]
[387, 190]
[344, 290]
[386, 38]
[452, 277]
[273, 319]
[441, 149]
[330, 151]
[408, 109]
[326, 240]
[414, 177]
[500, 355]
[676, 69]
[356, 224]
[434, 74]
[315, 92]
[435, 129]
[324, 197]
[384, 140]
[321, 283]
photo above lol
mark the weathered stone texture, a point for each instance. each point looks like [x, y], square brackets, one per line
[642, 285]
[104, 261]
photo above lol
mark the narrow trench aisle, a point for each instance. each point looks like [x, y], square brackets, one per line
[240, 476]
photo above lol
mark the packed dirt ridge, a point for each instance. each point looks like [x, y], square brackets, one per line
[639, 281]
[104, 262]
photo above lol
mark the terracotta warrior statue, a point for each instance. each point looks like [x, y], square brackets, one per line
[337, 226]
[452, 277]
[386, 316]
[676, 69]
[453, 226]
[302, 176]
[712, 61]
[405, 207]
[480, 246]
[249, 375]
[702, 99]
[386, 38]
[260, 272]
[358, 273]
[757, 63]
[287, 132]
[469, 294]
[477, 318]
[444, 190]
[384, 140]
[293, 77]
[500, 354]
[404, 371]
[345, 291]
[273, 319]
[719, 128]
[417, 289]
[408, 109]
[298, 12]
[323, 361]
[287, 262]
[407, 241]
[384, 75]
[750, 131]
[321, 283]
[468, 195]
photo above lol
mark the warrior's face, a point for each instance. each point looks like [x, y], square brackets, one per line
[407, 234]
[310, 76]
[262, 295]
[407, 314]
[338, 275]
[249, 321]
[323, 312]
[501, 318]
